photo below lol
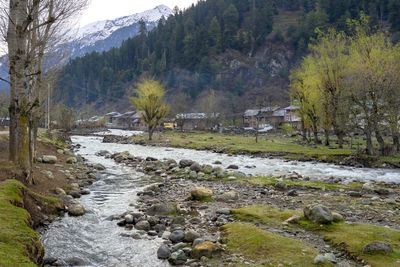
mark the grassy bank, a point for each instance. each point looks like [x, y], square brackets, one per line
[19, 243]
[350, 238]
[267, 145]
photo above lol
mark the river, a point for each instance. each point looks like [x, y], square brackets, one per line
[94, 240]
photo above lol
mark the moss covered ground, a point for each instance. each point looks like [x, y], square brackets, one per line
[266, 248]
[19, 243]
[350, 238]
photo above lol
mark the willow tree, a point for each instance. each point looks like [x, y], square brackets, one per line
[329, 58]
[149, 101]
[305, 93]
[373, 79]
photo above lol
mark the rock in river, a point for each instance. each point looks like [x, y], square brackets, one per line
[185, 163]
[76, 210]
[163, 252]
[143, 225]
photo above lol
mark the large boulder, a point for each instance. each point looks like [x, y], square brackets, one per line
[163, 209]
[200, 193]
[191, 235]
[143, 225]
[49, 159]
[195, 167]
[178, 258]
[76, 209]
[227, 196]
[377, 246]
[163, 252]
[205, 249]
[318, 214]
[177, 236]
[185, 163]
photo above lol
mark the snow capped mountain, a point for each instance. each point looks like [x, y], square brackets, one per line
[103, 35]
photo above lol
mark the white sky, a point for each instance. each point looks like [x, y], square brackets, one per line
[110, 9]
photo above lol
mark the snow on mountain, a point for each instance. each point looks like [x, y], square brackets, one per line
[88, 37]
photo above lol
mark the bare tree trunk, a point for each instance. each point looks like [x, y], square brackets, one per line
[369, 148]
[151, 130]
[327, 142]
[17, 39]
[381, 142]
[303, 130]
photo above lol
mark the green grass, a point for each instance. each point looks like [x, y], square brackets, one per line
[16, 237]
[264, 214]
[266, 248]
[349, 237]
[239, 143]
[320, 185]
[271, 144]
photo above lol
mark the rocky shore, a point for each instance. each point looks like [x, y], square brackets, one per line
[358, 161]
[195, 207]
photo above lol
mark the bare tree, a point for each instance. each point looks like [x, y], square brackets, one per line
[180, 103]
[32, 27]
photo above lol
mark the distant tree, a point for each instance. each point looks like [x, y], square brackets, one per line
[215, 36]
[65, 117]
[180, 103]
[231, 20]
[149, 101]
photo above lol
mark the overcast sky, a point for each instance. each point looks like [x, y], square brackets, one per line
[110, 9]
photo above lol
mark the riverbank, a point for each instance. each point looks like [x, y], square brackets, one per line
[290, 148]
[251, 221]
[28, 209]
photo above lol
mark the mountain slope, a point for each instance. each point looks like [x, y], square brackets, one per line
[103, 35]
[242, 51]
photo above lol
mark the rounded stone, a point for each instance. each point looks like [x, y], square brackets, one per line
[177, 236]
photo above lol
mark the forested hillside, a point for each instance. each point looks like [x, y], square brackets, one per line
[243, 49]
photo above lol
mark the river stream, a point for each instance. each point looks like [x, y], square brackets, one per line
[94, 240]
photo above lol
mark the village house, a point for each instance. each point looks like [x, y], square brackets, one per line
[128, 120]
[197, 121]
[275, 117]
[259, 118]
[291, 117]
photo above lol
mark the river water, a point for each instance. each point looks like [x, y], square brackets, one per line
[93, 240]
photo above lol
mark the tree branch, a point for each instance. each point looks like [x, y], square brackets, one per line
[4, 80]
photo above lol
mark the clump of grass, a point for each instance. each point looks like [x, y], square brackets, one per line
[264, 214]
[266, 248]
[19, 244]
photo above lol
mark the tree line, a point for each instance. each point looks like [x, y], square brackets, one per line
[191, 41]
[350, 84]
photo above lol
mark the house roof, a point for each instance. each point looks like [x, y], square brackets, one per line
[194, 116]
[251, 112]
[279, 113]
[112, 114]
[292, 107]
[255, 112]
